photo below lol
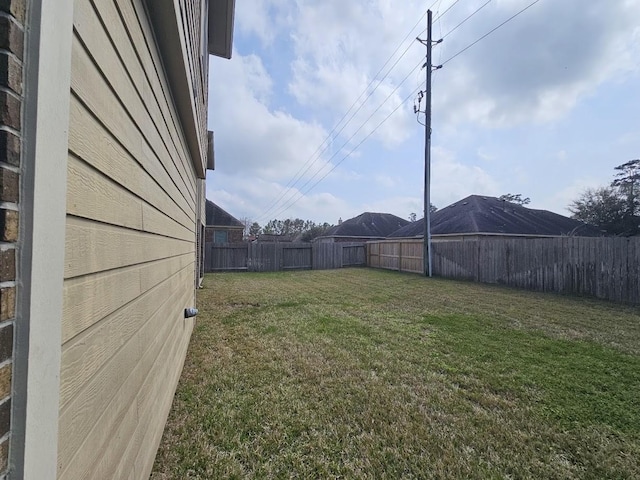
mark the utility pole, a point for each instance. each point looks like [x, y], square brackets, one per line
[426, 254]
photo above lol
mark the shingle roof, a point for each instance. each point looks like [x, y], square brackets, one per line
[368, 224]
[481, 214]
[219, 217]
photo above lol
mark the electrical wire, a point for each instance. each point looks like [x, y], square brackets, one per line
[438, 17]
[465, 20]
[360, 127]
[315, 156]
[489, 32]
[301, 194]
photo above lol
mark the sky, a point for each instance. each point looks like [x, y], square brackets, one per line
[313, 116]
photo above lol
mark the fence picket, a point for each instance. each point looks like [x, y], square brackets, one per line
[271, 257]
[603, 267]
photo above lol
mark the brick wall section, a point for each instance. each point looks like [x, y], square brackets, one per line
[234, 235]
[12, 19]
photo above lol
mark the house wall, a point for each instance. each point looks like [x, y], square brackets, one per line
[41, 237]
[130, 256]
[202, 187]
[345, 239]
[234, 235]
[12, 21]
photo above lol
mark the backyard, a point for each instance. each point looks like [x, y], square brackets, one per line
[363, 373]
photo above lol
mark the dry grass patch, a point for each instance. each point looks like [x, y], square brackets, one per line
[372, 374]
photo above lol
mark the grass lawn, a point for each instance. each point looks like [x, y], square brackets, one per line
[361, 373]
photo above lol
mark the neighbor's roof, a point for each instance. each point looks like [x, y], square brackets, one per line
[368, 224]
[481, 214]
[219, 217]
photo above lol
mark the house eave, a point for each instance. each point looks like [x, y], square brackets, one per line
[211, 159]
[220, 27]
[164, 15]
[226, 227]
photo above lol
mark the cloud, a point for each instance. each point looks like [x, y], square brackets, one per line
[251, 136]
[452, 180]
[567, 195]
[339, 47]
[300, 65]
[265, 19]
[385, 181]
[535, 69]
[251, 196]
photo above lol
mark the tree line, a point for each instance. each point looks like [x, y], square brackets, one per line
[305, 230]
[614, 209]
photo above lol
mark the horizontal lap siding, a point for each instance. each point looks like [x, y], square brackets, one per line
[130, 247]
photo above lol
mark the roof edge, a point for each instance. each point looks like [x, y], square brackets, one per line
[220, 27]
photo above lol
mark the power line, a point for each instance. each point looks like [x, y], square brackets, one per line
[445, 12]
[289, 203]
[293, 200]
[439, 16]
[465, 20]
[358, 130]
[490, 32]
[301, 194]
[309, 163]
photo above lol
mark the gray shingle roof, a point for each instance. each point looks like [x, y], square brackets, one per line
[368, 224]
[482, 214]
[219, 217]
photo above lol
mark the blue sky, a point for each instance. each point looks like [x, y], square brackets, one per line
[546, 106]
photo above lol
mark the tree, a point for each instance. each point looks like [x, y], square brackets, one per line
[316, 230]
[614, 209]
[255, 229]
[296, 226]
[602, 208]
[269, 228]
[412, 217]
[515, 198]
[627, 182]
[432, 208]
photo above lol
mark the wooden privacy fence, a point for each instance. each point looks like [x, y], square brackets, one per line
[607, 268]
[271, 257]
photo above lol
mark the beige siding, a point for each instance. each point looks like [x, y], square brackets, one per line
[132, 207]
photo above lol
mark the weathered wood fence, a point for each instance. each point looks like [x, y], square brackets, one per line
[606, 268]
[271, 257]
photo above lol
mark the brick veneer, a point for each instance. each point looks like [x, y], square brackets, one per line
[12, 20]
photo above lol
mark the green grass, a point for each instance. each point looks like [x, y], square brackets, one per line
[364, 373]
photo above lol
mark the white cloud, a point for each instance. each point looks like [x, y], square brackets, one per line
[485, 155]
[385, 181]
[251, 196]
[339, 47]
[566, 195]
[252, 137]
[452, 180]
[265, 19]
[539, 66]
[306, 62]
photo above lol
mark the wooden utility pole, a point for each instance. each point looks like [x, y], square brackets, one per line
[426, 254]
